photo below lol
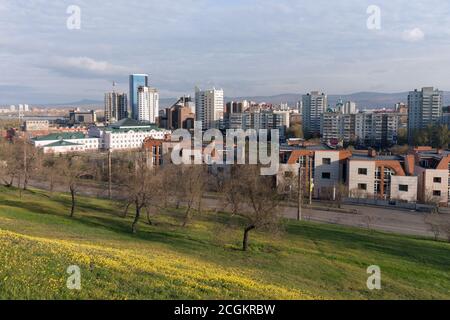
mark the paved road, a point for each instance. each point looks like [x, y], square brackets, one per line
[398, 221]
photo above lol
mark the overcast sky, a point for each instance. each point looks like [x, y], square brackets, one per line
[246, 47]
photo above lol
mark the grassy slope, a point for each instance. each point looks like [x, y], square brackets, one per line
[38, 242]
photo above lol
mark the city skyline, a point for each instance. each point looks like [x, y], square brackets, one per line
[273, 48]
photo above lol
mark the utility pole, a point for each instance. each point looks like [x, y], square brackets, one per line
[300, 193]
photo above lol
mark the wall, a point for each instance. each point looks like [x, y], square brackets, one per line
[410, 195]
[354, 178]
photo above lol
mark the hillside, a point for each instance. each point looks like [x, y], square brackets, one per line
[203, 261]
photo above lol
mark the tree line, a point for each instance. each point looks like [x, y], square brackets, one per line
[146, 190]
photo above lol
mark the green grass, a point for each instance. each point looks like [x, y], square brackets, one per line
[38, 242]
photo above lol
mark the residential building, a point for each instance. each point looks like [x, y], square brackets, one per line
[180, 115]
[237, 107]
[82, 117]
[314, 105]
[36, 125]
[433, 170]
[382, 177]
[323, 168]
[148, 105]
[136, 81]
[127, 134]
[66, 142]
[116, 107]
[445, 120]
[209, 108]
[267, 120]
[424, 109]
[377, 129]
[337, 127]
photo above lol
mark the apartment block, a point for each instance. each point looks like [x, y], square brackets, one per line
[433, 170]
[424, 108]
[314, 105]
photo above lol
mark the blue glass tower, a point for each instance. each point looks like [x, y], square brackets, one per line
[136, 81]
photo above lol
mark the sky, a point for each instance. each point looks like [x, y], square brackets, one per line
[246, 47]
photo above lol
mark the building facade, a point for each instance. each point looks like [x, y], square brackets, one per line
[375, 129]
[136, 81]
[148, 105]
[209, 108]
[424, 109]
[116, 107]
[314, 105]
[127, 134]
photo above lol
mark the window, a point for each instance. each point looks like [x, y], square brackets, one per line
[437, 180]
[362, 186]
[436, 193]
[326, 161]
[362, 171]
[403, 187]
[326, 175]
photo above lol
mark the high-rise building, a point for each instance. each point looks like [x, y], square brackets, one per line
[136, 81]
[314, 105]
[267, 120]
[116, 106]
[148, 104]
[377, 129]
[371, 129]
[424, 108]
[337, 126]
[209, 108]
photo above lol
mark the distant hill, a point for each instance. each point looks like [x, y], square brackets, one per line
[363, 99]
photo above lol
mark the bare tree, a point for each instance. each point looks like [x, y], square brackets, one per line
[72, 169]
[11, 160]
[232, 192]
[193, 185]
[140, 184]
[261, 210]
[435, 223]
[49, 169]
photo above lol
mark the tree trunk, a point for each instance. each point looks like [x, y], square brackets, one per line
[125, 212]
[148, 216]
[187, 215]
[25, 182]
[245, 242]
[136, 218]
[72, 193]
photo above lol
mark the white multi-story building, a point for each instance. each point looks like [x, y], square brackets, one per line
[209, 107]
[147, 104]
[377, 129]
[349, 108]
[127, 134]
[314, 105]
[424, 108]
[66, 142]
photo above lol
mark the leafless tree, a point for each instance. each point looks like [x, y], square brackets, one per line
[193, 186]
[140, 184]
[72, 169]
[435, 223]
[232, 192]
[262, 203]
[11, 159]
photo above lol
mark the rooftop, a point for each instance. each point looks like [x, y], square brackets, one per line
[62, 143]
[61, 136]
